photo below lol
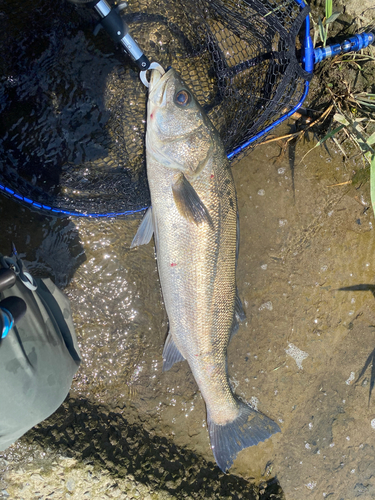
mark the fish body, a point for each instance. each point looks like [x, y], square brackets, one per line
[195, 225]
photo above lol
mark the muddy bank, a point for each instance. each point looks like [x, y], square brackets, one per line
[90, 451]
[354, 12]
[305, 276]
[311, 306]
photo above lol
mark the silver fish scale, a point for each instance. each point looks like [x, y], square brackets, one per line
[197, 271]
[194, 221]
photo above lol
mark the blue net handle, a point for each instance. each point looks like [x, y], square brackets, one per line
[352, 44]
[308, 66]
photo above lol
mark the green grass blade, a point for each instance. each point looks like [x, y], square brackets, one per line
[333, 18]
[338, 117]
[371, 140]
[329, 135]
[321, 30]
[328, 9]
[366, 102]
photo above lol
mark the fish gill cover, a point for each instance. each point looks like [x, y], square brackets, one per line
[73, 110]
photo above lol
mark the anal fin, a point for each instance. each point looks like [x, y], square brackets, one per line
[238, 308]
[238, 316]
[171, 354]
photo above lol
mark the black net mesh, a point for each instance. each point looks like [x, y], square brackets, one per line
[73, 108]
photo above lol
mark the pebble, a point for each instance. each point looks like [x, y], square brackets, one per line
[70, 484]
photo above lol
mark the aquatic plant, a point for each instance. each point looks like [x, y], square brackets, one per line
[321, 27]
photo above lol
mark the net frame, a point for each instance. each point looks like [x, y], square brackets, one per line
[280, 58]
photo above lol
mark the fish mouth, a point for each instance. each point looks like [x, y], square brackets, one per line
[157, 85]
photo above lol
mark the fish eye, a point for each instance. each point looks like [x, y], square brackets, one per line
[182, 98]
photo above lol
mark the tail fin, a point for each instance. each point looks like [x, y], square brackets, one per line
[248, 429]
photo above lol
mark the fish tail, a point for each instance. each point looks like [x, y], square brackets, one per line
[248, 429]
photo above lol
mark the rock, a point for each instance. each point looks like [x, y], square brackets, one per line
[70, 485]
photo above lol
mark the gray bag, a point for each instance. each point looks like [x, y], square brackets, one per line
[38, 359]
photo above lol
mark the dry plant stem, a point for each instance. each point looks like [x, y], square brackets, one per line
[339, 146]
[279, 138]
[363, 59]
[340, 184]
[289, 137]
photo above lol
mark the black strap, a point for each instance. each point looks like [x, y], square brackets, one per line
[291, 41]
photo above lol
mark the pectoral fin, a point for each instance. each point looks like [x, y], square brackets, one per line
[171, 354]
[145, 230]
[188, 202]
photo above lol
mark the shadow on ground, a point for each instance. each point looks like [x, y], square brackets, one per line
[95, 434]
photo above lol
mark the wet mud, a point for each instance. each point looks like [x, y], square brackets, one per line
[302, 357]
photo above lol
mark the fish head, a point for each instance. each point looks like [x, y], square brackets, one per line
[179, 134]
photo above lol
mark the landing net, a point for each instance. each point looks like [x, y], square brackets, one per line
[73, 108]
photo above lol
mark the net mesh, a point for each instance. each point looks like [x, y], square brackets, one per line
[73, 108]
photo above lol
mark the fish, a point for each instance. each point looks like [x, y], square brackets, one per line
[194, 220]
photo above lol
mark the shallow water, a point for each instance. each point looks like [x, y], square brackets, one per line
[297, 357]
